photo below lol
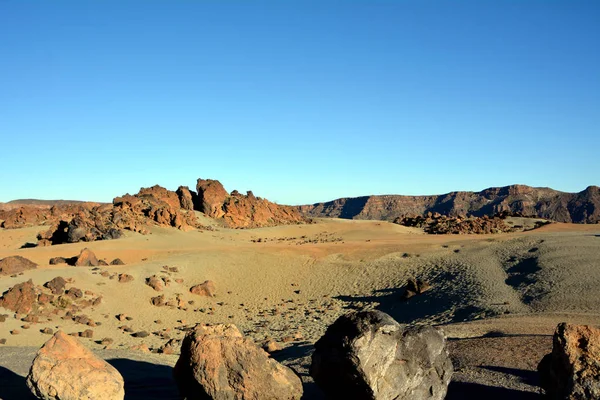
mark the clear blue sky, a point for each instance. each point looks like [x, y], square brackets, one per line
[299, 101]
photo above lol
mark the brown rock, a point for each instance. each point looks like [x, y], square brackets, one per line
[88, 333]
[186, 198]
[47, 331]
[207, 288]
[217, 362]
[117, 261]
[155, 283]
[572, 370]
[15, 265]
[124, 278]
[21, 298]
[211, 197]
[57, 260]
[86, 258]
[64, 369]
[56, 285]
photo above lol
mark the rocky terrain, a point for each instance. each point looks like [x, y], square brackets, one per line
[582, 207]
[71, 222]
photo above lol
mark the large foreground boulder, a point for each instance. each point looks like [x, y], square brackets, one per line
[64, 369]
[368, 355]
[218, 363]
[572, 370]
[86, 258]
[15, 264]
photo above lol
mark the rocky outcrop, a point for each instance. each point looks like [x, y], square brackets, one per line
[187, 199]
[211, 197]
[65, 369]
[436, 223]
[582, 207]
[368, 355]
[572, 370]
[15, 265]
[217, 362]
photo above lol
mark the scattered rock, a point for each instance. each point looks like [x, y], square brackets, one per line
[57, 260]
[124, 278]
[414, 287]
[47, 331]
[21, 298]
[207, 288]
[368, 355]
[141, 334]
[217, 362]
[117, 261]
[64, 369]
[86, 258]
[15, 265]
[155, 283]
[56, 285]
[88, 333]
[572, 370]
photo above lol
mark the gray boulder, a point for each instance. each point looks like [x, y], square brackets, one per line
[368, 355]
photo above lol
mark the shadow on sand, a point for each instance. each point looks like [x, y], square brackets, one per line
[145, 380]
[473, 391]
[13, 387]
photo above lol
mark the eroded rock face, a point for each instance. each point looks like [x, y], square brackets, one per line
[15, 264]
[211, 196]
[368, 355]
[572, 370]
[186, 198]
[64, 369]
[21, 298]
[218, 363]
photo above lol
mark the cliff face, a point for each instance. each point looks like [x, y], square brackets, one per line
[582, 207]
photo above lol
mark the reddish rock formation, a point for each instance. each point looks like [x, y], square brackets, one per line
[186, 198]
[15, 264]
[211, 197]
[582, 207]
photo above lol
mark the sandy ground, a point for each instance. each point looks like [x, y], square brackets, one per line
[497, 297]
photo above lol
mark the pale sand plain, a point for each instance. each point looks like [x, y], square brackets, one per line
[497, 297]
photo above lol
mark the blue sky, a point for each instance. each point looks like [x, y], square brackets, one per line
[299, 101]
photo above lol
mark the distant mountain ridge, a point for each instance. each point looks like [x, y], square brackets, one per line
[582, 207]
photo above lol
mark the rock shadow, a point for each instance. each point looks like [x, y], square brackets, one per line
[13, 387]
[525, 376]
[522, 276]
[434, 305]
[474, 391]
[144, 380]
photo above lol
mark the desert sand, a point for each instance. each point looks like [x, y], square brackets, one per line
[497, 297]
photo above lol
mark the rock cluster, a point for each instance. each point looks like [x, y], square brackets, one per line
[243, 211]
[435, 223]
[368, 355]
[217, 362]
[572, 370]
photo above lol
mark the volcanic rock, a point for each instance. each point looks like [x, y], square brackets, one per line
[211, 196]
[15, 264]
[368, 355]
[86, 258]
[186, 198]
[64, 369]
[21, 298]
[207, 288]
[217, 362]
[572, 370]
[56, 285]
